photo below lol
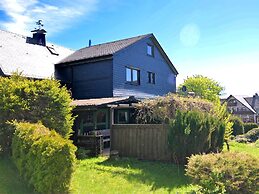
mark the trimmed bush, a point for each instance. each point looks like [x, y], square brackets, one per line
[250, 137]
[249, 126]
[23, 99]
[193, 132]
[43, 158]
[229, 172]
[238, 125]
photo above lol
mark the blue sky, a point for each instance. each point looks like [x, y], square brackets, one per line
[218, 39]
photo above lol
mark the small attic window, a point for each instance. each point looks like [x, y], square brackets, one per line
[150, 50]
[52, 50]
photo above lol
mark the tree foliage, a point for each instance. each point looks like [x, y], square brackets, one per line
[203, 87]
[30, 100]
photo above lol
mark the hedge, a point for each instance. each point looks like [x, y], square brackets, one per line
[249, 126]
[238, 125]
[193, 132]
[44, 159]
[29, 100]
[229, 172]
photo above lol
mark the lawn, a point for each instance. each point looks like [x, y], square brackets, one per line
[10, 183]
[101, 175]
[242, 147]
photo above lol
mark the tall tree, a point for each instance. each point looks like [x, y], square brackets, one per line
[202, 86]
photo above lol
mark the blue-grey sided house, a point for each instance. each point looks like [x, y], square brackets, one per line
[136, 66]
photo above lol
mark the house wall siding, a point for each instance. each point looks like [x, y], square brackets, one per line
[136, 56]
[89, 80]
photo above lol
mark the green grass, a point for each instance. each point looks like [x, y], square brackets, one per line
[10, 183]
[242, 147]
[101, 175]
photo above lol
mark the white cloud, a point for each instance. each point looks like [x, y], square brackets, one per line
[24, 13]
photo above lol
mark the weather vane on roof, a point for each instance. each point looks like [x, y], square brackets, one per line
[39, 23]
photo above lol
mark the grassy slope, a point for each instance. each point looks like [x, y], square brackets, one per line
[241, 147]
[10, 183]
[99, 175]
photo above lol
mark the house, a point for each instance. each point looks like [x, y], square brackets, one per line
[106, 80]
[32, 56]
[110, 74]
[247, 108]
[135, 66]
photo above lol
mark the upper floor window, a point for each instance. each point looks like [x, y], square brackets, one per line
[151, 78]
[133, 76]
[150, 50]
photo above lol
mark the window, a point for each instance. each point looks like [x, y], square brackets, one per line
[132, 76]
[151, 78]
[123, 116]
[86, 122]
[101, 120]
[150, 50]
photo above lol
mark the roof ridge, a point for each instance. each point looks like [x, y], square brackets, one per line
[47, 44]
[14, 33]
[114, 41]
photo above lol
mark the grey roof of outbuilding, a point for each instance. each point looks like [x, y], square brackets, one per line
[101, 50]
[103, 101]
[32, 60]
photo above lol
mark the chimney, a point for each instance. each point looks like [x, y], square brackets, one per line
[90, 43]
[254, 100]
[38, 36]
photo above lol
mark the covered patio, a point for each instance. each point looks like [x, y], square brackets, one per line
[94, 118]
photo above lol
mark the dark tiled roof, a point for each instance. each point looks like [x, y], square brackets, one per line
[32, 60]
[102, 49]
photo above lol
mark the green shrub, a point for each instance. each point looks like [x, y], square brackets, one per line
[23, 99]
[249, 137]
[43, 158]
[83, 153]
[249, 126]
[229, 172]
[238, 125]
[162, 109]
[252, 135]
[193, 132]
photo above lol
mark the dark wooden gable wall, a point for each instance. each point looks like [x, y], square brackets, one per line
[87, 80]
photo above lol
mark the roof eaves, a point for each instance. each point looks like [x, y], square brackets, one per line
[83, 61]
[165, 55]
[246, 105]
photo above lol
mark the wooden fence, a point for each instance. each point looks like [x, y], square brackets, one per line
[147, 142]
